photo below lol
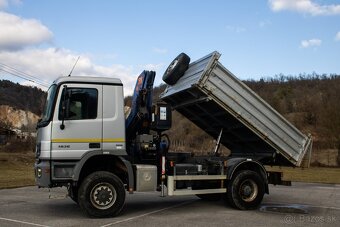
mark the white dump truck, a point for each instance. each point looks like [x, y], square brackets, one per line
[85, 142]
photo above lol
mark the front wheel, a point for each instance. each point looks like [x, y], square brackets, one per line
[101, 194]
[246, 190]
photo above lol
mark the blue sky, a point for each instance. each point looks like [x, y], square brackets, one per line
[121, 38]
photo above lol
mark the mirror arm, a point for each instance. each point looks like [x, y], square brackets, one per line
[62, 126]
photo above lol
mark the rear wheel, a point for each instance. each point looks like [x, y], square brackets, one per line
[101, 194]
[246, 190]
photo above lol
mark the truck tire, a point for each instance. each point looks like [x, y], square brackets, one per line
[176, 69]
[73, 193]
[101, 194]
[245, 190]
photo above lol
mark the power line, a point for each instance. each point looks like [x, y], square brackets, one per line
[23, 77]
[18, 72]
[15, 72]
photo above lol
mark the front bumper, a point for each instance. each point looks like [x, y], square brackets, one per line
[42, 171]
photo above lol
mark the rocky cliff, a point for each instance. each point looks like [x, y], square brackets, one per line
[18, 119]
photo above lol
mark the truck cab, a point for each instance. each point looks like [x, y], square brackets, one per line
[75, 124]
[85, 142]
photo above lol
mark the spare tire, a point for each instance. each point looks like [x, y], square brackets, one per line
[176, 69]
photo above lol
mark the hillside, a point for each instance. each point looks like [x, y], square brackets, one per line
[310, 102]
[22, 97]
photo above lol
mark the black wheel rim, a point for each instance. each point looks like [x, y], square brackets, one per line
[103, 196]
[248, 190]
[172, 65]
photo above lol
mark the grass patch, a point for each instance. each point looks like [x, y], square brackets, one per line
[309, 175]
[16, 170]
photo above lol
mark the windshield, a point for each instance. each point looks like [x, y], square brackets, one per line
[49, 103]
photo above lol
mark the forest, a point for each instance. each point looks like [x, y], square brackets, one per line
[310, 102]
[22, 97]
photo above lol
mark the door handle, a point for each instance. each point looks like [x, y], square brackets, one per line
[94, 145]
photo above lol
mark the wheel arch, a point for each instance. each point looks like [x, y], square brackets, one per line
[237, 164]
[97, 161]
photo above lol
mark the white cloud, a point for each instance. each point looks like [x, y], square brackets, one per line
[304, 6]
[310, 43]
[48, 64]
[17, 33]
[153, 67]
[337, 36]
[32, 84]
[159, 50]
[18, 40]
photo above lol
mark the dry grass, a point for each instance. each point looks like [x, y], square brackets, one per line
[16, 169]
[310, 175]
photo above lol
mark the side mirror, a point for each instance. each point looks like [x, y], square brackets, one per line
[65, 106]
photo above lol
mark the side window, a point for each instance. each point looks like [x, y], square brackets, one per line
[82, 104]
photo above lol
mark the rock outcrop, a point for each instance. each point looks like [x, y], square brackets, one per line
[17, 119]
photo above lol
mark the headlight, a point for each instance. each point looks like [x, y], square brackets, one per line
[39, 172]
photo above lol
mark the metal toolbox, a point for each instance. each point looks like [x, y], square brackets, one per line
[146, 177]
[185, 169]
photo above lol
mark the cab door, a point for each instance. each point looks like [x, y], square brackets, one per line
[77, 121]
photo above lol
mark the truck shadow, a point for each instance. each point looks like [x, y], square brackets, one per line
[135, 205]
